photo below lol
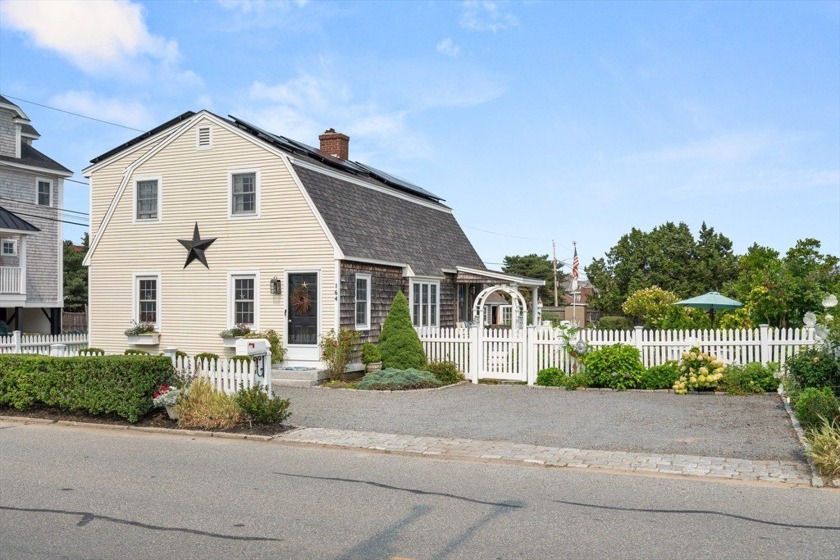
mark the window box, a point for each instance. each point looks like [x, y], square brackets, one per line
[147, 339]
[230, 341]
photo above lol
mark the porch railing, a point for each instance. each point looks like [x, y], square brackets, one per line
[12, 280]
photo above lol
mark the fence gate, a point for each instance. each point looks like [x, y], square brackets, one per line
[502, 353]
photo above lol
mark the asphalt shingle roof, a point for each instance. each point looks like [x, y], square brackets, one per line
[370, 224]
[8, 220]
[32, 157]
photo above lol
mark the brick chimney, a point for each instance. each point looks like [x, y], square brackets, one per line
[335, 144]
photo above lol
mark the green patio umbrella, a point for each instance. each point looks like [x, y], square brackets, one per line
[711, 301]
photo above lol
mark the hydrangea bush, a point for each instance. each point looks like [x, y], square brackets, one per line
[699, 371]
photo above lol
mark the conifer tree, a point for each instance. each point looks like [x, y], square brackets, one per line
[399, 344]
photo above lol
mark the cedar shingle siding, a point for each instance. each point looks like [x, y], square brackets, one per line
[385, 282]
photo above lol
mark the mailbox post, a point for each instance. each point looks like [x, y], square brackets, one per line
[260, 351]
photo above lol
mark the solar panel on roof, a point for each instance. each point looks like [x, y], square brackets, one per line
[353, 167]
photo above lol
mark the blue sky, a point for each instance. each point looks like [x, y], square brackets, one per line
[534, 120]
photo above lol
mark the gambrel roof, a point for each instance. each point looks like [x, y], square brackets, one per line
[371, 215]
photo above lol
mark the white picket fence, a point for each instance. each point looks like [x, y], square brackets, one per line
[226, 375]
[45, 344]
[517, 355]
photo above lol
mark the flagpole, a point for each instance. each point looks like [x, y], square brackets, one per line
[554, 254]
[574, 286]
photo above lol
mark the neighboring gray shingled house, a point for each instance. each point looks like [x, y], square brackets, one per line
[31, 187]
[306, 241]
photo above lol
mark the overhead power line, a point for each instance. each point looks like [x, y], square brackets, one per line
[75, 181]
[42, 207]
[51, 219]
[72, 113]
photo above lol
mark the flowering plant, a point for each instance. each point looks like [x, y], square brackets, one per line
[140, 328]
[826, 326]
[236, 330]
[166, 395]
[336, 349]
[699, 371]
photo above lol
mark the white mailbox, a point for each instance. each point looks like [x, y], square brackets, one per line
[251, 347]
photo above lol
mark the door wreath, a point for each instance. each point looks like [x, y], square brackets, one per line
[301, 299]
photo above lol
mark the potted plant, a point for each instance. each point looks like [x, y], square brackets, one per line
[167, 397]
[371, 357]
[229, 336]
[143, 334]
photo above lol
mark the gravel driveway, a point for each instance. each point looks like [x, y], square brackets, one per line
[751, 427]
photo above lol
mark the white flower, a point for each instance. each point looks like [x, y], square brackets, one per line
[828, 317]
[809, 319]
[829, 300]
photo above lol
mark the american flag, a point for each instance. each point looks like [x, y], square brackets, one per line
[575, 265]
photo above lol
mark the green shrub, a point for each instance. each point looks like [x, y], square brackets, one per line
[814, 367]
[815, 405]
[614, 323]
[445, 372]
[660, 377]
[120, 385]
[618, 366]
[825, 448]
[205, 407]
[370, 353]
[135, 352]
[261, 408]
[399, 344]
[336, 350]
[398, 379]
[91, 352]
[550, 377]
[750, 378]
[578, 380]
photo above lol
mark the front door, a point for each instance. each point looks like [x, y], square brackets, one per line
[302, 309]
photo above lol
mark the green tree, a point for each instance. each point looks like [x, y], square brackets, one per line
[649, 305]
[669, 257]
[399, 344]
[534, 266]
[778, 290]
[75, 275]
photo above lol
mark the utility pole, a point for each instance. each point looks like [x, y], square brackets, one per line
[554, 255]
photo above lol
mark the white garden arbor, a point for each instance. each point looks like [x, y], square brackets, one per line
[501, 352]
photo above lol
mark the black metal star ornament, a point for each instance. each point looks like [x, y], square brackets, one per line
[196, 247]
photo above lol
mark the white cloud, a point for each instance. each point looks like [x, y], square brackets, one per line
[95, 36]
[134, 114]
[448, 47]
[485, 15]
[260, 6]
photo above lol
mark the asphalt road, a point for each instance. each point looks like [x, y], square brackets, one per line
[749, 427]
[94, 493]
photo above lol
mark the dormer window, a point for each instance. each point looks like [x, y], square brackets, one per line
[204, 138]
[44, 192]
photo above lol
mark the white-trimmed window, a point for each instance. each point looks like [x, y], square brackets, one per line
[425, 303]
[243, 193]
[244, 300]
[362, 302]
[203, 138]
[147, 197]
[8, 247]
[44, 192]
[147, 307]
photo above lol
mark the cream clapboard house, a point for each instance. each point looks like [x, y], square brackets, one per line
[295, 239]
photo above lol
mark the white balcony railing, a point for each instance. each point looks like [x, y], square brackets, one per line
[12, 280]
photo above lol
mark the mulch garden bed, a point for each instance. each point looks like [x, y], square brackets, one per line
[157, 418]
